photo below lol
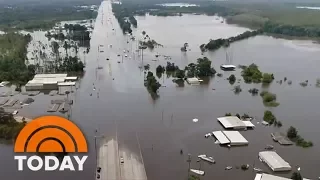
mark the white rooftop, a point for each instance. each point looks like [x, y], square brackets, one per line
[228, 66]
[46, 80]
[274, 161]
[71, 78]
[248, 124]
[221, 137]
[49, 75]
[67, 84]
[193, 80]
[232, 122]
[235, 138]
[269, 177]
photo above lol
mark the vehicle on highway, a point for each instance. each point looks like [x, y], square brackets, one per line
[99, 169]
[121, 160]
[98, 176]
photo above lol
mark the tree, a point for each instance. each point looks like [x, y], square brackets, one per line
[267, 78]
[237, 89]
[147, 67]
[55, 48]
[238, 115]
[204, 67]
[160, 69]
[151, 83]
[296, 176]
[232, 79]
[180, 74]
[65, 46]
[252, 74]
[171, 67]
[292, 133]
[269, 117]
[143, 33]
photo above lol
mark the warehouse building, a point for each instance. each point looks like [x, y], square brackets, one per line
[234, 138]
[49, 82]
[274, 161]
[233, 122]
[269, 177]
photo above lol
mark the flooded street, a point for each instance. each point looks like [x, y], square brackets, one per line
[121, 105]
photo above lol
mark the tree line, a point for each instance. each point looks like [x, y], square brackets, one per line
[13, 51]
[9, 127]
[75, 32]
[41, 16]
[218, 43]
[125, 17]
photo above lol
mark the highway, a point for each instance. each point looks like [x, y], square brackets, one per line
[112, 148]
[109, 156]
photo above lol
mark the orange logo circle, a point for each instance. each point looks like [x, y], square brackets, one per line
[50, 134]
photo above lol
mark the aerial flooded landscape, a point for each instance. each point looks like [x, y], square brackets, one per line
[169, 90]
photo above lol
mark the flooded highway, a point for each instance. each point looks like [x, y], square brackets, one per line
[120, 105]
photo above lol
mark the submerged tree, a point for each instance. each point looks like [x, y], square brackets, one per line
[204, 67]
[296, 176]
[152, 84]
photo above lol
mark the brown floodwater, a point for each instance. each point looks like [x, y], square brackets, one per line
[124, 107]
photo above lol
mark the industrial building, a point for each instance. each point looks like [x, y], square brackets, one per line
[233, 122]
[49, 82]
[221, 137]
[234, 138]
[269, 177]
[274, 161]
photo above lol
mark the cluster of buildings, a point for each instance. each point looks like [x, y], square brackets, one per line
[50, 82]
[232, 137]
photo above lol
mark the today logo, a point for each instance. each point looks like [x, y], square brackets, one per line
[50, 134]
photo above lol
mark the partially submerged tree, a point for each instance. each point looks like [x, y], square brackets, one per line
[292, 133]
[296, 176]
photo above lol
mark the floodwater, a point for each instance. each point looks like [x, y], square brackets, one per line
[121, 105]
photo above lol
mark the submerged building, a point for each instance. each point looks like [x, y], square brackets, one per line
[274, 161]
[49, 82]
[232, 138]
[233, 122]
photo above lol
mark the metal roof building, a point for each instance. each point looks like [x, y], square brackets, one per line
[49, 81]
[249, 124]
[269, 177]
[235, 138]
[274, 161]
[221, 137]
[232, 122]
[50, 76]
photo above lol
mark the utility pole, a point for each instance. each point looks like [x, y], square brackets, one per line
[95, 147]
[142, 55]
[199, 160]
[189, 161]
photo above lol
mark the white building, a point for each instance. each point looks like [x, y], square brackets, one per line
[193, 80]
[234, 138]
[221, 137]
[48, 81]
[233, 122]
[269, 177]
[274, 161]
